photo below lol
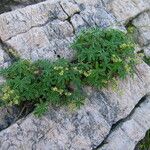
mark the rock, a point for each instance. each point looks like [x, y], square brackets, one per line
[69, 8]
[142, 23]
[39, 15]
[28, 1]
[85, 128]
[4, 58]
[120, 140]
[8, 116]
[9, 5]
[122, 96]
[147, 50]
[84, 3]
[78, 23]
[45, 42]
[51, 27]
[131, 130]
[125, 10]
[97, 16]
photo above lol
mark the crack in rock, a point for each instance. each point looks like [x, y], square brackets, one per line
[130, 130]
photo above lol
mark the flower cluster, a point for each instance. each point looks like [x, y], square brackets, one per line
[127, 45]
[9, 96]
[61, 70]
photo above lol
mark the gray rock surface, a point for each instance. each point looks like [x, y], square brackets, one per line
[4, 58]
[51, 27]
[9, 5]
[127, 134]
[147, 50]
[125, 10]
[142, 24]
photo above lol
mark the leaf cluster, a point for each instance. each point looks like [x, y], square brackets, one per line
[147, 60]
[40, 83]
[101, 56]
[106, 54]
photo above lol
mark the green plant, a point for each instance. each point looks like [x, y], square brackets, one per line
[41, 83]
[104, 55]
[145, 143]
[147, 60]
[101, 56]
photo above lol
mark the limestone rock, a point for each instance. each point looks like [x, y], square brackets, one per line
[147, 50]
[142, 23]
[125, 10]
[4, 58]
[45, 30]
[132, 130]
[9, 5]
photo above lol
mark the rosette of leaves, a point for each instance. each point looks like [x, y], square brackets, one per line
[103, 55]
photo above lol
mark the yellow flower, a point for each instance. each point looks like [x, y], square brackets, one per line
[104, 81]
[16, 100]
[88, 73]
[11, 92]
[61, 73]
[54, 88]
[127, 68]
[66, 69]
[68, 94]
[5, 96]
[60, 91]
[131, 29]
[5, 89]
[80, 71]
[55, 68]
[58, 68]
[126, 45]
[115, 58]
[75, 68]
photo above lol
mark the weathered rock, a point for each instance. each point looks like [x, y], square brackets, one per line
[126, 90]
[85, 128]
[125, 10]
[9, 115]
[9, 5]
[28, 1]
[51, 27]
[147, 50]
[130, 131]
[4, 58]
[1, 64]
[142, 23]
